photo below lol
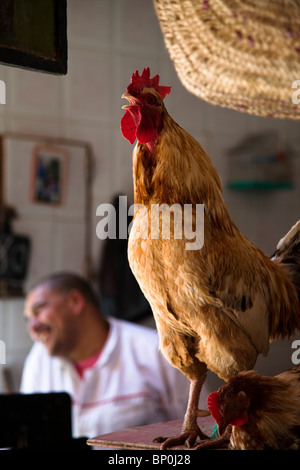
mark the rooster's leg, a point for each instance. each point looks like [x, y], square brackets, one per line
[190, 428]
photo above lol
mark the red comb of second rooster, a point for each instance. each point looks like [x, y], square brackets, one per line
[213, 404]
[144, 80]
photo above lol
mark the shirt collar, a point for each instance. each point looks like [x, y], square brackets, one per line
[110, 343]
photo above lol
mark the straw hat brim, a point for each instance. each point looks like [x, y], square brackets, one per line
[244, 55]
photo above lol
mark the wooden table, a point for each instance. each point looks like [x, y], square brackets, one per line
[141, 437]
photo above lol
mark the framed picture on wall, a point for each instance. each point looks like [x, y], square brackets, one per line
[49, 174]
[49, 182]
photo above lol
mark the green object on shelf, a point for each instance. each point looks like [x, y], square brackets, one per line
[215, 432]
[252, 184]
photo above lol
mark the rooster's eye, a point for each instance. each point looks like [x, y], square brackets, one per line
[151, 99]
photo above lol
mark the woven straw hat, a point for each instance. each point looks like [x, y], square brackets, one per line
[241, 54]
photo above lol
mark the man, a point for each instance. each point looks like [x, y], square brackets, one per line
[112, 369]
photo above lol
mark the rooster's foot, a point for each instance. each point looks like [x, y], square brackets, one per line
[220, 443]
[187, 438]
[190, 428]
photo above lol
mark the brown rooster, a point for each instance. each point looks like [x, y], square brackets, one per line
[264, 411]
[216, 307]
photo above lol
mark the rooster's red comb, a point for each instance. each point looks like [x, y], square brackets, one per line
[144, 80]
[213, 404]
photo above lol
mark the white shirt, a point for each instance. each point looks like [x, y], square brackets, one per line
[131, 384]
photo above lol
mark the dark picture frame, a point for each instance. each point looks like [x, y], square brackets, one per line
[33, 35]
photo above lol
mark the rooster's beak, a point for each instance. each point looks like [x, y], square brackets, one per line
[222, 427]
[133, 101]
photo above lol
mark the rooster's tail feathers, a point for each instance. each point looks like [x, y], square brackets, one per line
[287, 255]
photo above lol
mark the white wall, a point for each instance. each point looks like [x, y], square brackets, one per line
[108, 40]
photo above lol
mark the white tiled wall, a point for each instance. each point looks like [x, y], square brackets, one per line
[108, 40]
[17, 343]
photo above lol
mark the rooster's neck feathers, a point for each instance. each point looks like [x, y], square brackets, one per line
[179, 171]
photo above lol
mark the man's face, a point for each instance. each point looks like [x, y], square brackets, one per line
[51, 320]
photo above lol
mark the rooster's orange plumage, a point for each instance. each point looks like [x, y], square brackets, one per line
[219, 306]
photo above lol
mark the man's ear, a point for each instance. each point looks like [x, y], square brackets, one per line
[77, 301]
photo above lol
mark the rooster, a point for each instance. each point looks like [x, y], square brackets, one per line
[216, 307]
[264, 412]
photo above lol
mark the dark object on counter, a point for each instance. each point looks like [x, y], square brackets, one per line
[14, 261]
[37, 421]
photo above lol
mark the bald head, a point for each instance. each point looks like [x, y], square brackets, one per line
[64, 282]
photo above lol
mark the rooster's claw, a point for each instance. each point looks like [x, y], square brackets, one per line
[188, 438]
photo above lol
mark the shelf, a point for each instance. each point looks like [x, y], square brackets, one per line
[252, 184]
[141, 437]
